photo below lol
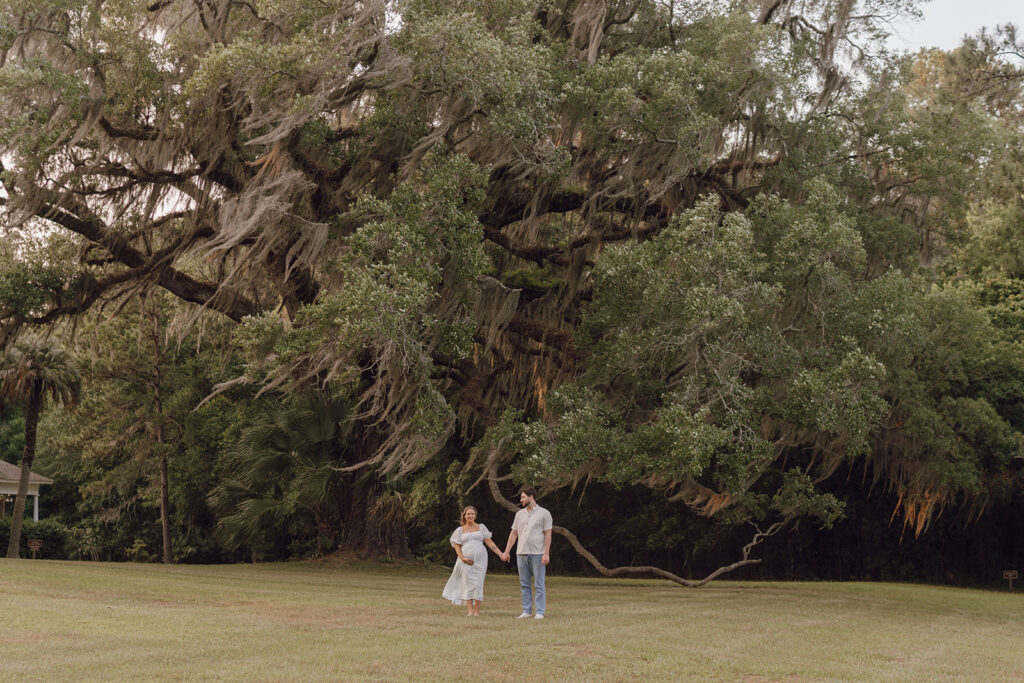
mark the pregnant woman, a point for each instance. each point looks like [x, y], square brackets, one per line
[467, 582]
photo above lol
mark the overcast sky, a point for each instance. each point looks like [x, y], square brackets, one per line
[946, 21]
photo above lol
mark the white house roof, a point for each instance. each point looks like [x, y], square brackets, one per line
[12, 473]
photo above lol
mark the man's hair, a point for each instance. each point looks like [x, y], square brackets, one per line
[530, 491]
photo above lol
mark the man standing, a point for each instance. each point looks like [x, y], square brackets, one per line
[532, 527]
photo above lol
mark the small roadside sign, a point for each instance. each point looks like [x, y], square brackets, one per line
[1010, 575]
[35, 545]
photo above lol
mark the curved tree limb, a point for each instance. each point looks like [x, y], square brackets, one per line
[759, 536]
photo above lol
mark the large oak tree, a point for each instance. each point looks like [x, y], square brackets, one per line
[415, 206]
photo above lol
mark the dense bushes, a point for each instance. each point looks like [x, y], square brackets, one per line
[59, 541]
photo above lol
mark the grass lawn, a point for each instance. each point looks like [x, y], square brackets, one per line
[321, 621]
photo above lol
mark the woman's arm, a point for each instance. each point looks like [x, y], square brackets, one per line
[492, 546]
[458, 551]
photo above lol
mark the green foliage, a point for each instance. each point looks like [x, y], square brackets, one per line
[280, 480]
[12, 435]
[1004, 300]
[730, 341]
[425, 494]
[840, 401]
[138, 552]
[139, 407]
[798, 497]
[713, 249]
[58, 539]
[995, 241]
[42, 90]
[34, 369]
[488, 61]
[35, 272]
[406, 281]
[532, 282]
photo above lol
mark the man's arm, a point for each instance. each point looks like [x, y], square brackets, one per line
[508, 546]
[546, 557]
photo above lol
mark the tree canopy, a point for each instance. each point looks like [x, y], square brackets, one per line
[718, 250]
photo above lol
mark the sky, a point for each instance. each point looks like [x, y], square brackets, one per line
[946, 21]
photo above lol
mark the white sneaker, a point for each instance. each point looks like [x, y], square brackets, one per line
[524, 615]
[539, 616]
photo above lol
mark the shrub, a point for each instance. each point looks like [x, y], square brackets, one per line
[51, 532]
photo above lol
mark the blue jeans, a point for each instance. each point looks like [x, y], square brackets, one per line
[530, 567]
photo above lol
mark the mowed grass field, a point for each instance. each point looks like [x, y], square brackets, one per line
[322, 621]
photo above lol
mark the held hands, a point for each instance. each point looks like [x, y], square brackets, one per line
[505, 556]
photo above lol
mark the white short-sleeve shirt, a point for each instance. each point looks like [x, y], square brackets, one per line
[530, 526]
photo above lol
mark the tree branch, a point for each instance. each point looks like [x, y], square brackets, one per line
[130, 133]
[64, 213]
[759, 536]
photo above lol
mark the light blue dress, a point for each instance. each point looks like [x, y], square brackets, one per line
[467, 581]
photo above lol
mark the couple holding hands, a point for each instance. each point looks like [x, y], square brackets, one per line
[531, 528]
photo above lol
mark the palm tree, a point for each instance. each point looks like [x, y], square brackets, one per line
[33, 369]
[282, 481]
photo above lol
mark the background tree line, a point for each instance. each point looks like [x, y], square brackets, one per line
[716, 277]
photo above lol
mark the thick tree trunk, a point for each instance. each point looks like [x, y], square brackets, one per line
[32, 411]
